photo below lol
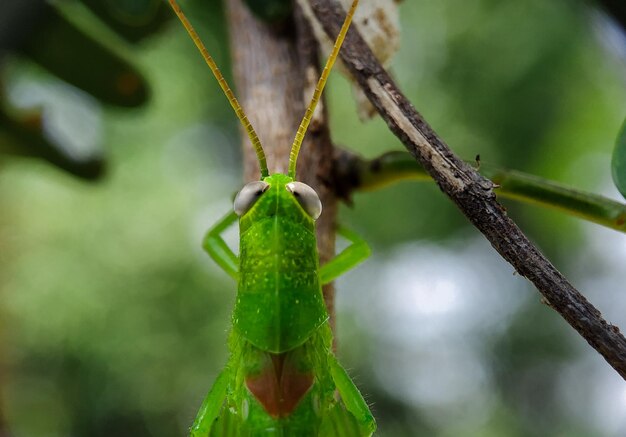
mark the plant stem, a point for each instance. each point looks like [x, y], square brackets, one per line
[392, 167]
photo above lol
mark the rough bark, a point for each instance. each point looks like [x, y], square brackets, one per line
[471, 192]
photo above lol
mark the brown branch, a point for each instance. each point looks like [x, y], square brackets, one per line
[275, 70]
[471, 192]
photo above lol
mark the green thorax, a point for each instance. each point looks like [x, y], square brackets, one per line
[279, 300]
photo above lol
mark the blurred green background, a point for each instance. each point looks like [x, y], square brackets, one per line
[113, 322]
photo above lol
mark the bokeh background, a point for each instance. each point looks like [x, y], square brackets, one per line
[113, 322]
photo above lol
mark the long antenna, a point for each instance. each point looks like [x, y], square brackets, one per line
[256, 143]
[297, 142]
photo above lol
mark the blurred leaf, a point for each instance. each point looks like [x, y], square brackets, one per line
[77, 58]
[618, 162]
[24, 136]
[131, 19]
[36, 30]
[17, 20]
[272, 11]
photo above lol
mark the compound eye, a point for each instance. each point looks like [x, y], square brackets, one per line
[306, 197]
[248, 196]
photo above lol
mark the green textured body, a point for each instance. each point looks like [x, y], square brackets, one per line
[279, 298]
[319, 412]
[282, 378]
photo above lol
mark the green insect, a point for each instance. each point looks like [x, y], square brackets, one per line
[282, 378]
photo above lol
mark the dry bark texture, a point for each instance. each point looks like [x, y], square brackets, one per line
[275, 71]
[472, 193]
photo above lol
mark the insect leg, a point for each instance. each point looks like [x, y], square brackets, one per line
[347, 259]
[211, 406]
[218, 249]
[351, 397]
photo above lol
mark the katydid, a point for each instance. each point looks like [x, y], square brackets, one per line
[282, 377]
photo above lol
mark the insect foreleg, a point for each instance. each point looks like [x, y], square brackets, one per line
[217, 248]
[211, 406]
[352, 255]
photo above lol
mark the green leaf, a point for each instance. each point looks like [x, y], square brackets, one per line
[23, 136]
[77, 58]
[131, 19]
[271, 11]
[618, 163]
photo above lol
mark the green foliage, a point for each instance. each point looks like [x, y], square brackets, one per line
[132, 19]
[70, 52]
[272, 11]
[618, 163]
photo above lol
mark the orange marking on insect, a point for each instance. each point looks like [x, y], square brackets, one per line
[280, 386]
